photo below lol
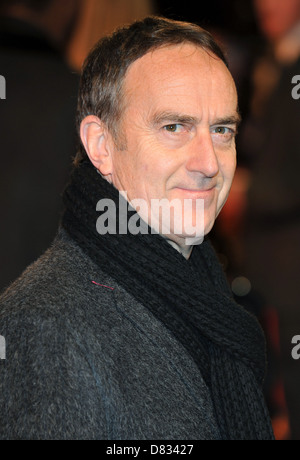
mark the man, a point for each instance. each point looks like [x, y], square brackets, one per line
[118, 334]
[40, 106]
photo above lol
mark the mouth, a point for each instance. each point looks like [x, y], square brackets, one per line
[197, 193]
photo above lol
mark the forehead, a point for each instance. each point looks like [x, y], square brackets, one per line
[183, 75]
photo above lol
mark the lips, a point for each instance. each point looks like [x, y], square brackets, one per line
[206, 194]
[204, 186]
[196, 190]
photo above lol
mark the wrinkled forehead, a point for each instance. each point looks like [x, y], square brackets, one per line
[180, 74]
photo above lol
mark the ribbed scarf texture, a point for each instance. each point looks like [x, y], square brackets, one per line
[190, 297]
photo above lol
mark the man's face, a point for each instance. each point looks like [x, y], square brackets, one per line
[179, 124]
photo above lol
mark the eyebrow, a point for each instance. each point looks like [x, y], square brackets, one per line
[164, 117]
[232, 120]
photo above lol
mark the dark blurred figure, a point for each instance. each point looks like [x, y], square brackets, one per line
[270, 146]
[37, 134]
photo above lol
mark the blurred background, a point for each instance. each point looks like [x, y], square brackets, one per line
[43, 44]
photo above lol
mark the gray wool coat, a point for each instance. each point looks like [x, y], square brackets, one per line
[85, 360]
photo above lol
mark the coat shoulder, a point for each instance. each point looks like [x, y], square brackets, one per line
[63, 277]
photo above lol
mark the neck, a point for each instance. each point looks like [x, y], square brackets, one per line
[186, 251]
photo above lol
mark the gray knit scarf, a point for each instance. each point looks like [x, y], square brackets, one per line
[191, 297]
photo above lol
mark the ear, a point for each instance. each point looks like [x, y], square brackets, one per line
[94, 136]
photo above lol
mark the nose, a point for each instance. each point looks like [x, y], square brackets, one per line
[202, 157]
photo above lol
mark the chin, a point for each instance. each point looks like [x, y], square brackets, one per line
[210, 216]
[209, 226]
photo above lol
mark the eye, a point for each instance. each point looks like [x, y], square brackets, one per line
[224, 131]
[174, 128]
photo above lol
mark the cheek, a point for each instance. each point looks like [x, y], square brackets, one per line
[145, 170]
[124, 176]
[153, 169]
[228, 167]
